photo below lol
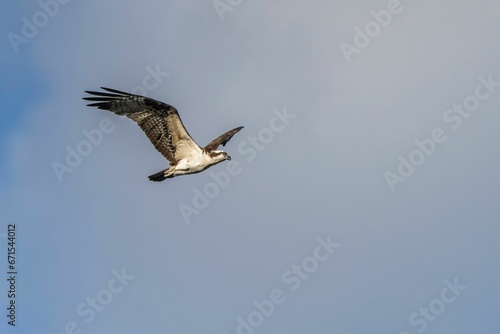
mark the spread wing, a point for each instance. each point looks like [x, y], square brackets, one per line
[221, 140]
[160, 121]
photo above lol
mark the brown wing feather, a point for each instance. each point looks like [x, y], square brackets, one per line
[221, 140]
[159, 121]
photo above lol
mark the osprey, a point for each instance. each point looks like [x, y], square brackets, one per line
[164, 128]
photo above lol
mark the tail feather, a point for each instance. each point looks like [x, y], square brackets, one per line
[158, 177]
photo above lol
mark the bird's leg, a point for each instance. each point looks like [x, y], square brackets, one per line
[169, 172]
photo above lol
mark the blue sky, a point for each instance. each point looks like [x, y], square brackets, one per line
[104, 234]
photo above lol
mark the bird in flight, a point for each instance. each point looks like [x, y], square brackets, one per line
[164, 128]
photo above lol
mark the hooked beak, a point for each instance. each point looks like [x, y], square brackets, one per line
[228, 158]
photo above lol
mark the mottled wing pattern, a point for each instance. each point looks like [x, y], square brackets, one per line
[221, 140]
[160, 121]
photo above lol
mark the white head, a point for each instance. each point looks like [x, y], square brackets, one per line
[219, 156]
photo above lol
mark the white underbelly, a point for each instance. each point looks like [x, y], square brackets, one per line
[193, 164]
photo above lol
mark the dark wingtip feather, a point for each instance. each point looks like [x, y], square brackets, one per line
[100, 105]
[103, 99]
[115, 91]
